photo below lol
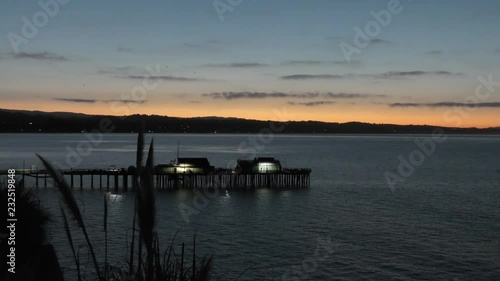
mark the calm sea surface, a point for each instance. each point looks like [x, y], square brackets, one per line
[441, 223]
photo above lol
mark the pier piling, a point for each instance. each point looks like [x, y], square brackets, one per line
[225, 179]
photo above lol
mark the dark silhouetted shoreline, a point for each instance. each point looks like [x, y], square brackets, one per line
[20, 121]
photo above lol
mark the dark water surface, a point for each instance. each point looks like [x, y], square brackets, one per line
[442, 223]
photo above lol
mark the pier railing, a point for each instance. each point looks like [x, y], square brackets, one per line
[125, 179]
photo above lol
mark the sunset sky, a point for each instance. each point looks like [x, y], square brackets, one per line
[255, 58]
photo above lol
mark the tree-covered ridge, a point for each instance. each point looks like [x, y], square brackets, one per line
[17, 121]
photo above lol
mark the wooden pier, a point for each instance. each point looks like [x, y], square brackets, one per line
[124, 179]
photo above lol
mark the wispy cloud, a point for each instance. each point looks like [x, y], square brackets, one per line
[379, 41]
[312, 103]
[386, 75]
[125, 101]
[303, 62]
[191, 45]
[312, 76]
[434, 52]
[205, 45]
[447, 104]
[42, 56]
[320, 62]
[237, 64]
[75, 100]
[118, 70]
[351, 96]
[164, 78]
[263, 95]
[336, 40]
[181, 95]
[354, 63]
[201, 43]
[124, 50]
[392, 74]
[256, 95]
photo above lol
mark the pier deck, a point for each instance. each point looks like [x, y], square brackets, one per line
[124, 179]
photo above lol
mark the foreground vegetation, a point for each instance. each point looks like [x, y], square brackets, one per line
[34, 258]
[147, 261]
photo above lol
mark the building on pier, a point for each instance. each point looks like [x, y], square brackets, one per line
[187, 166]
[261, 165]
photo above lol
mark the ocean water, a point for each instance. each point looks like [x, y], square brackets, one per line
[441, 223]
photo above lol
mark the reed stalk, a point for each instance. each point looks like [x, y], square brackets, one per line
[138, 161]
[70, 203]
[105, 236]
[70, 240]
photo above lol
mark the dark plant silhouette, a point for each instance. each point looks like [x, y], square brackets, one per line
[34, 256]
[155, 264]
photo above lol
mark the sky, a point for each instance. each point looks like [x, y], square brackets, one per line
[381, 61]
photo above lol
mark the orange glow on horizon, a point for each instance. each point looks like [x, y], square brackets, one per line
[377, 114]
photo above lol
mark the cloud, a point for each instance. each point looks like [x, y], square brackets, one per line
[44, 56]
[312, 76]
[198, 44]
[351, 96]
[379, 41]
[181, 96]
[447, 104]
[262, 95]
[247, 95]
[206, 45]
[320, 62]
[345, 62]
[164, 78]
[193, 45]
[386, 75]
[497, 51]
[303, 62]
[125, 101]
[75, 100]
[213, 41]
[118, 70]
[312, 103]
[354, 63]
[95, 101]
[434, 52]
[395, 74]
[124, 50]
[237, 64]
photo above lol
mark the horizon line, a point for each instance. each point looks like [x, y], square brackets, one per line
[247, 119]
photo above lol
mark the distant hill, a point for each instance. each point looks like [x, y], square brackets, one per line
[17, 121]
